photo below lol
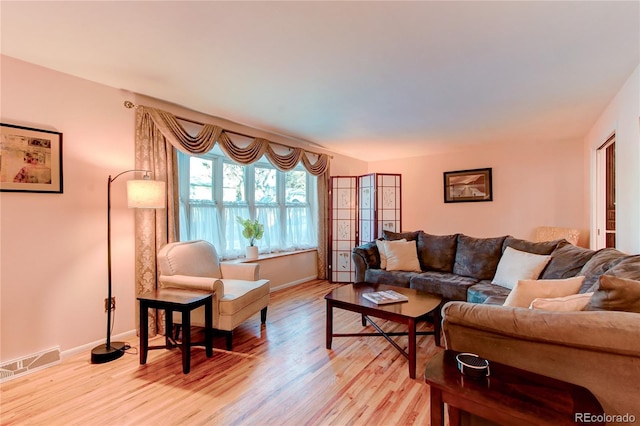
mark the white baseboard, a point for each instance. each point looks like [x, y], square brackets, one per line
[296, 282]
[122, 337]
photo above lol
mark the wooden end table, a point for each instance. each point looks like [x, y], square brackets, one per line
[349, 297]
[508, 396]
[183, 301]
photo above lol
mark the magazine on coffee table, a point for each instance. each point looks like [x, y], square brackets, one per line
[384, 297]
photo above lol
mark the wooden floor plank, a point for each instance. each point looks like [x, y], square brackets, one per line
[278, 374]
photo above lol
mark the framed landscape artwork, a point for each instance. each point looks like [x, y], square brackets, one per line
[30, 159]
[467, 186]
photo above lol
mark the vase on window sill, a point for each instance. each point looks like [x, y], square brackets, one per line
[252, 252]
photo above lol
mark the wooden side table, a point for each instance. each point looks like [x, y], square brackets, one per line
[183, 301]
[508, 396]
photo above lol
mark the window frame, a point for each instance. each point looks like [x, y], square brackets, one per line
[250, 203]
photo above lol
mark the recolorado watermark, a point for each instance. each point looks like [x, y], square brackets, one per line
[603, 418]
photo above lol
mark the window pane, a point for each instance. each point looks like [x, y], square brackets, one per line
[296, 186]
[233, 183]
[265, 185]
[200, 179]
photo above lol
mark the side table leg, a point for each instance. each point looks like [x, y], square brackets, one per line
[186, 340]
[412, 348]
[329, 324]
[208, 327]
[437, 409]
[168, 328]
[144, 332]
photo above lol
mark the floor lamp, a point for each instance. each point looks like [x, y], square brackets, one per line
[141, 194]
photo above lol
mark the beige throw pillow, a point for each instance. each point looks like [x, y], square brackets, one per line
[382, 250]
[403, 257]
[516, 265]
[574, 302]
[526, 291]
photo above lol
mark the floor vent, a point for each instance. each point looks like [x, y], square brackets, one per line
[29, 364]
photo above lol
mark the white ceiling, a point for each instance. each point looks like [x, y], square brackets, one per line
[354, 77]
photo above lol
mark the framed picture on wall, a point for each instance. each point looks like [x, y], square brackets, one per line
[468, 185]
[30, 159]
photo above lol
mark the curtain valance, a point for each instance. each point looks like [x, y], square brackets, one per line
[209, 134]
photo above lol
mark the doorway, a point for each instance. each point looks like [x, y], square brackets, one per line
[606, 194]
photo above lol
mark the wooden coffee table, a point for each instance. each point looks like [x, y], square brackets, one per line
[508, 396]
[349, 297]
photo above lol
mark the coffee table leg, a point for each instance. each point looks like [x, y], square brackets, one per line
[412, 348]
[329, 324]
[186, 340]
[144, 332]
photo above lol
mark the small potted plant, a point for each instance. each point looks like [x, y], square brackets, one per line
[252, 230]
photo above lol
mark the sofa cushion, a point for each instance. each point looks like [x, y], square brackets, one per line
[573, 302]
[448, 285]
[485, 292]
[566, 261]
[599, 263]
[477, 257]
[397, 278]
[527, 290]
[543, 247]
[382, 250]
[515, 265]
[616, 294]
[437, 252]
[409, 236]
[402, 256]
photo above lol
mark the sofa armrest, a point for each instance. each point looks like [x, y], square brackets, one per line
[212, 285]
[365, 256]
[240, 271]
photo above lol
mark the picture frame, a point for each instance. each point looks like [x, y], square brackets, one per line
[30, 159]
[463, 186]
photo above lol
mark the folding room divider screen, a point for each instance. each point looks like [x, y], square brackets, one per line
[361, 208]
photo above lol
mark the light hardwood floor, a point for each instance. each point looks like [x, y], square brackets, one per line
[278, 374]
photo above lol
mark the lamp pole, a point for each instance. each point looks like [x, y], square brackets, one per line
[110, 351]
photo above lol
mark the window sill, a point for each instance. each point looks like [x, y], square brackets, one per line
[266, 256]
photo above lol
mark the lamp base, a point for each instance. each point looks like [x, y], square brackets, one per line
[103, 353]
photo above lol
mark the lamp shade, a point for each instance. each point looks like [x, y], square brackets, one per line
[146, 194]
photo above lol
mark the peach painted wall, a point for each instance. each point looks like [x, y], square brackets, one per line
[53, 246]
[533, 185]
[622, 117]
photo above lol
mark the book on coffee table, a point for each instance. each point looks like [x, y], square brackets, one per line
[384, 297]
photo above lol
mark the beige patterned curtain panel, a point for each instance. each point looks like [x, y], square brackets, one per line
[210, 134]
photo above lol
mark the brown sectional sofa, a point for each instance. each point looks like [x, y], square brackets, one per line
[597, 348]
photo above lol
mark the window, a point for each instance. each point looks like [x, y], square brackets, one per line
[214, 191]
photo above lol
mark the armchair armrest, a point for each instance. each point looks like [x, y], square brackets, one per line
[212, 285]
[240, 271]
